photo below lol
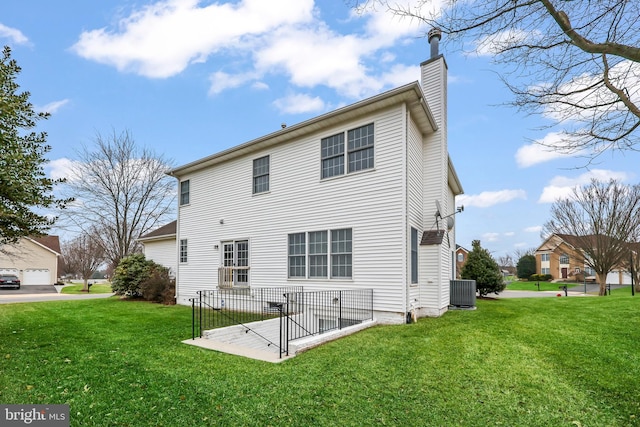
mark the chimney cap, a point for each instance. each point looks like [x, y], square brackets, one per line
[434, 32]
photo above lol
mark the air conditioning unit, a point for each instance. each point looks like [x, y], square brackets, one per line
[462, 293]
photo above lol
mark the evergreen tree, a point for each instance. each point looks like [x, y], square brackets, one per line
[526, 266]
[24, 188]
[482, 268]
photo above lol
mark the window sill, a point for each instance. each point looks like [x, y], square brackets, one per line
[331, 178]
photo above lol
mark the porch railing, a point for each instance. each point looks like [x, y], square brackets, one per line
[301, 313]
[228, 277]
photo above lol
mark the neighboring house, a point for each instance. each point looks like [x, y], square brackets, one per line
[35, 260]
[561, 256]
[461, 259]
[160, 246]
[345, 200]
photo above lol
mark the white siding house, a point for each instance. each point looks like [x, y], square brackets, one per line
[345, 200]
[160, 246]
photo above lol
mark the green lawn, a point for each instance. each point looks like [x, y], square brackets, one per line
[98, 288]
[513, 362]
[544, 286]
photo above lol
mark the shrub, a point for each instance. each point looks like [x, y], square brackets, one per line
[482, 268]
[541, 278]
[159, 286]
[526, 266]
[129, 274]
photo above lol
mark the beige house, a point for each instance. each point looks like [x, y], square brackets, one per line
[35, 260]
[560, 255]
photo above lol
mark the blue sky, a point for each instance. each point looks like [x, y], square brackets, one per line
[189, 78]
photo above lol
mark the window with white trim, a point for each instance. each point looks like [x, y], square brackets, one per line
[564, 259]
[261, 175]
[544, 257]
[546, 271]
[460, 257]
[320, 254]
[184, 192]
[414, 255]
[183, 250]
[357, 153]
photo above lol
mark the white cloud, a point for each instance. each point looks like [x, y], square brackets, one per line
[163, 38]
[533, 229]
[61, 168]
[490, 237]
[543, 150]
[283, 37]
[52, 107]
[13, 34]
[509, 234]
[490, 198]
[299, 103]
[561, 187]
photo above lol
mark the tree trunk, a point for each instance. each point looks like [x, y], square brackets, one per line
[85, 286]
[602, 281]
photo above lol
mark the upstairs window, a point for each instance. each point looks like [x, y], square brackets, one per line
[564, 259]
[414, 255]
[357, 153]
[184, 192]
[261, 175]
[544, 257]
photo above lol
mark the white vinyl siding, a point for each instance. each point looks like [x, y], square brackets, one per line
[162, 252]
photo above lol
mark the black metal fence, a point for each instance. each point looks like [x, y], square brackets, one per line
[301, 313]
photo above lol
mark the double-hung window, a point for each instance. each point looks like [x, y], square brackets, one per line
[357, 153]
[184, 192]
[414, 255]
[544, 257]
[320, 254]
[261, 175]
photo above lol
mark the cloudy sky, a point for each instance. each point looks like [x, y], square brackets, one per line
[189, 78]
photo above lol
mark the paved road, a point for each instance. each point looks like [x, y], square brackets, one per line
[8, 296]
[592, 290]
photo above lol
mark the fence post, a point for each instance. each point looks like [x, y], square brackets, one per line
[340, 309]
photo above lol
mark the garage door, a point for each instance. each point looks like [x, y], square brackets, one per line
[36, 277]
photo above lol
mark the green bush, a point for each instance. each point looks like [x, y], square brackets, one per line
[541, 278]
[136, 276]
[159, 286]
[526, 266]
[482, 268]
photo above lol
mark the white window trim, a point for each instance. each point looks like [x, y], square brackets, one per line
[328, 254]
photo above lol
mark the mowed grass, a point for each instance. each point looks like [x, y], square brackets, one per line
[513, 362]
[98, 288]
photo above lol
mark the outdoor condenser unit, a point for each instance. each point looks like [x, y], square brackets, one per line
[463, 293]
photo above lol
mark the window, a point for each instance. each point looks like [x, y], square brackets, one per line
[183, 250]
[546, 271]
[184, 192]
[564, 259]
[414, 255]
[332, 155]
[297, 251]
[359, 151]
[360, 145]
[544, 257]
[577, 270]
[317, 253]
[460, 257]
[261, 175]
[341, 253]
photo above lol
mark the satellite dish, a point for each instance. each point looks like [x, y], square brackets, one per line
[450, 223]
[438, 210]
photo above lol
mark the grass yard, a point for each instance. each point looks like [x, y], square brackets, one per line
[513, 362]
[544, 286]
[97, 288]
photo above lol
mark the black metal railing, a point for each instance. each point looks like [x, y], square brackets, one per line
[236, 306]
[313, 313]
[301, 313]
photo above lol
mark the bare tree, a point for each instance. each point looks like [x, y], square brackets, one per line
[83, 256]
[121, 191]
[602, 220]
[519, 253]
[575, 62]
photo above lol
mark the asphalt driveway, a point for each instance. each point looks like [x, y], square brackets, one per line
[29, 289]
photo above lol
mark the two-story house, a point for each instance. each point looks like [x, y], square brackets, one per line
[562, 256]
[345, 200]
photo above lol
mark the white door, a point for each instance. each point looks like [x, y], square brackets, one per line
[236, 254]
[34, 276]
